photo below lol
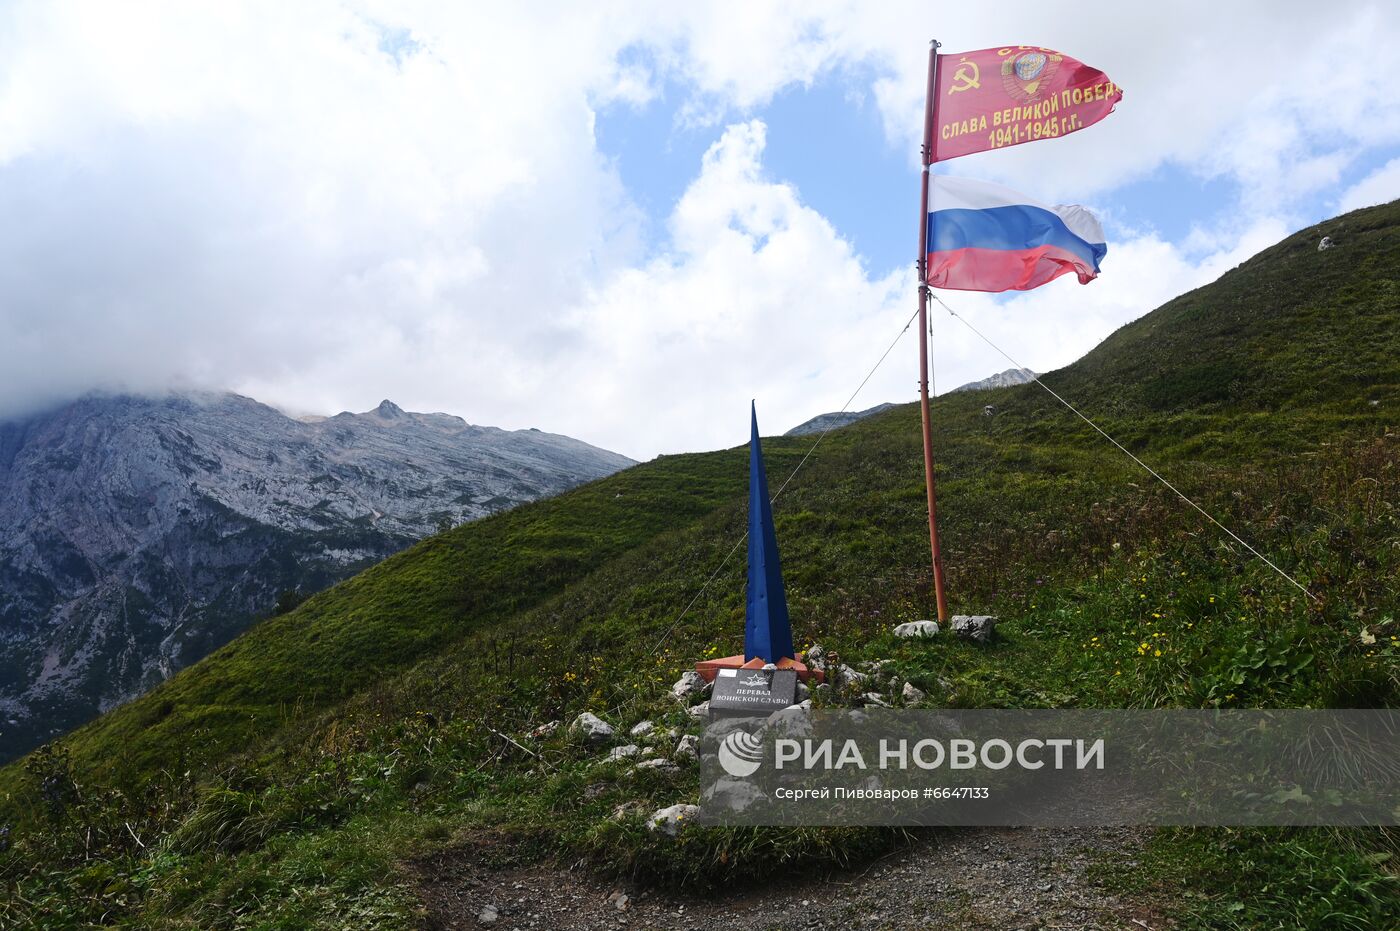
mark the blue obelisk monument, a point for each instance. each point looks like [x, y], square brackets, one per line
[767, 630]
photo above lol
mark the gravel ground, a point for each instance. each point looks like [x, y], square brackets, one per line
[986, 878]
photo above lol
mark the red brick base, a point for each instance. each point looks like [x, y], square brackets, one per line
[709, 668]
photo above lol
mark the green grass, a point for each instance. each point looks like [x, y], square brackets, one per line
[281, 781]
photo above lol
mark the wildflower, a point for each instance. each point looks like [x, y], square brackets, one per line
[1156, 652]
[1212, 599]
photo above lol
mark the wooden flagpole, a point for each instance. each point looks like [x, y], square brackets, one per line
[930, 110]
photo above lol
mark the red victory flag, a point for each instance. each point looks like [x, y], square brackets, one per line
[998, 97]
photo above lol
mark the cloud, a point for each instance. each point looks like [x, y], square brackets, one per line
[324, 203]
[1055, 325]
[275, 203]
[759, 297]
[1379, 187]
[762, 298]
[1276, 97]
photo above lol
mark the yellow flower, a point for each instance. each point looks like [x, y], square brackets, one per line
[1156, 652]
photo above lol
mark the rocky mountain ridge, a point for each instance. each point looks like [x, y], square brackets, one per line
[834, 420]
[138, 534]
[1004, 379]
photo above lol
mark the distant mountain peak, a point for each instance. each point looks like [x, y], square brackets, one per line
[185, 515]
[1000, 380]
[823, 422]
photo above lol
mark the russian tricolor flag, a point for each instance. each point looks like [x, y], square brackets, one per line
[984, 237]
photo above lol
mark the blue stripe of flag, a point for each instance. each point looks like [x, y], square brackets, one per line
[1013, 229]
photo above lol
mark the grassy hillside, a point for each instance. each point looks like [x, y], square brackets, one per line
[281, 781]
[413, 605]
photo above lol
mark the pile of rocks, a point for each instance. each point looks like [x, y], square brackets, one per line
[653, 748]
[662, 749]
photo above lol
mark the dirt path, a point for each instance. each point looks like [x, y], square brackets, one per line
[984, 879]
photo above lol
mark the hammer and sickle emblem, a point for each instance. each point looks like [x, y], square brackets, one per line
[966, 77]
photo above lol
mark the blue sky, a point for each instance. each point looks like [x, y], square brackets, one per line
[827, 140]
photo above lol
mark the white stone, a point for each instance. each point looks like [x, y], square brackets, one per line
[875, 698]
[594, 729]
[912, 695]
[701, 710]
[660, 764]
[979, 628]
[689, 686]
[642, 729]
[687, 748]
[622, 753]
[488, 915]
[846, 674]
[793, 721]
[917, 629]
[670, 821]
[733, 794]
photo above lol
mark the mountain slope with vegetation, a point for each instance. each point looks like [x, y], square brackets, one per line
[137, 533]
[291, 778]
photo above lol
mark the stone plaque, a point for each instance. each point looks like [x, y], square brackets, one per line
[743, 693]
